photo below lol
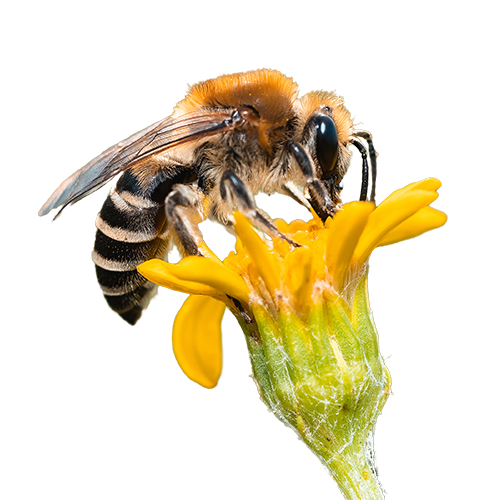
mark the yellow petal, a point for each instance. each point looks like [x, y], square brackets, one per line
[387, 216]
[158, 271]
[197, 339]
[206, 252]
[299, 275]
[264, 261]
[429, 184]
[209, 272]
[343, 235]
[424, 220]
[316, 220]
[318, 245]
[302, 238]
[281, 247]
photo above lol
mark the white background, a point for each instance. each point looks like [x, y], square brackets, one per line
[462, 36]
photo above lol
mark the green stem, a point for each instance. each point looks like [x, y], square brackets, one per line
[354, 477]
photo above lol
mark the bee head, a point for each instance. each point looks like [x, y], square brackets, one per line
[326, 131]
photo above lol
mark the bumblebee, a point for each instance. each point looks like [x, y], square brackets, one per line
[228, 139]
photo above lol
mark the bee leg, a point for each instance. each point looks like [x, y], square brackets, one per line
[319, 197]
[364, 183]
[234, 190]
[184, 212]
[296, 194]
[373, 158]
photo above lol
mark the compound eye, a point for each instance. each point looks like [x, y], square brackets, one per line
[327, 144]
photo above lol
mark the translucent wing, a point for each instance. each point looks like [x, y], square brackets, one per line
[151, 141]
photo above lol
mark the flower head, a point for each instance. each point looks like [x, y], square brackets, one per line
[307, 321]
[331, 261]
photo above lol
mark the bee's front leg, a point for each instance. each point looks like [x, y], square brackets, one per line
[319, 197]
[234, 190]
[184, 212]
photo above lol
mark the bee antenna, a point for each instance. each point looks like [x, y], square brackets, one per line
[367, 179]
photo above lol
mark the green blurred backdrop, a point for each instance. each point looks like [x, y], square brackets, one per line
[115, 409]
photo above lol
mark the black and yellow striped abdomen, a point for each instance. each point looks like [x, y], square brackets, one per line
[132, 228]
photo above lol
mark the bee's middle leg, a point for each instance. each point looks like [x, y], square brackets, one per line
[291, 190]
[234, 190]
[184, 212]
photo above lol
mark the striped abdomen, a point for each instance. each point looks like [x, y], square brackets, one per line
[131, 228]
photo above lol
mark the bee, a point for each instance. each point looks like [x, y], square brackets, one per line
[228, 139]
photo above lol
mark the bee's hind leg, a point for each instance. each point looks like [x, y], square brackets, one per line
[234, 191]
[184, 212]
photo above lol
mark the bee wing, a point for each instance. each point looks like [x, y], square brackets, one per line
[151, 141]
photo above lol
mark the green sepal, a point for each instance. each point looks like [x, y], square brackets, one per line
[278, 362]
[297, 345]
[365, 328]
[321, 373]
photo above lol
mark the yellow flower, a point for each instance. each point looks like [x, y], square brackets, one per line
[331, 260]
[307, 322]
